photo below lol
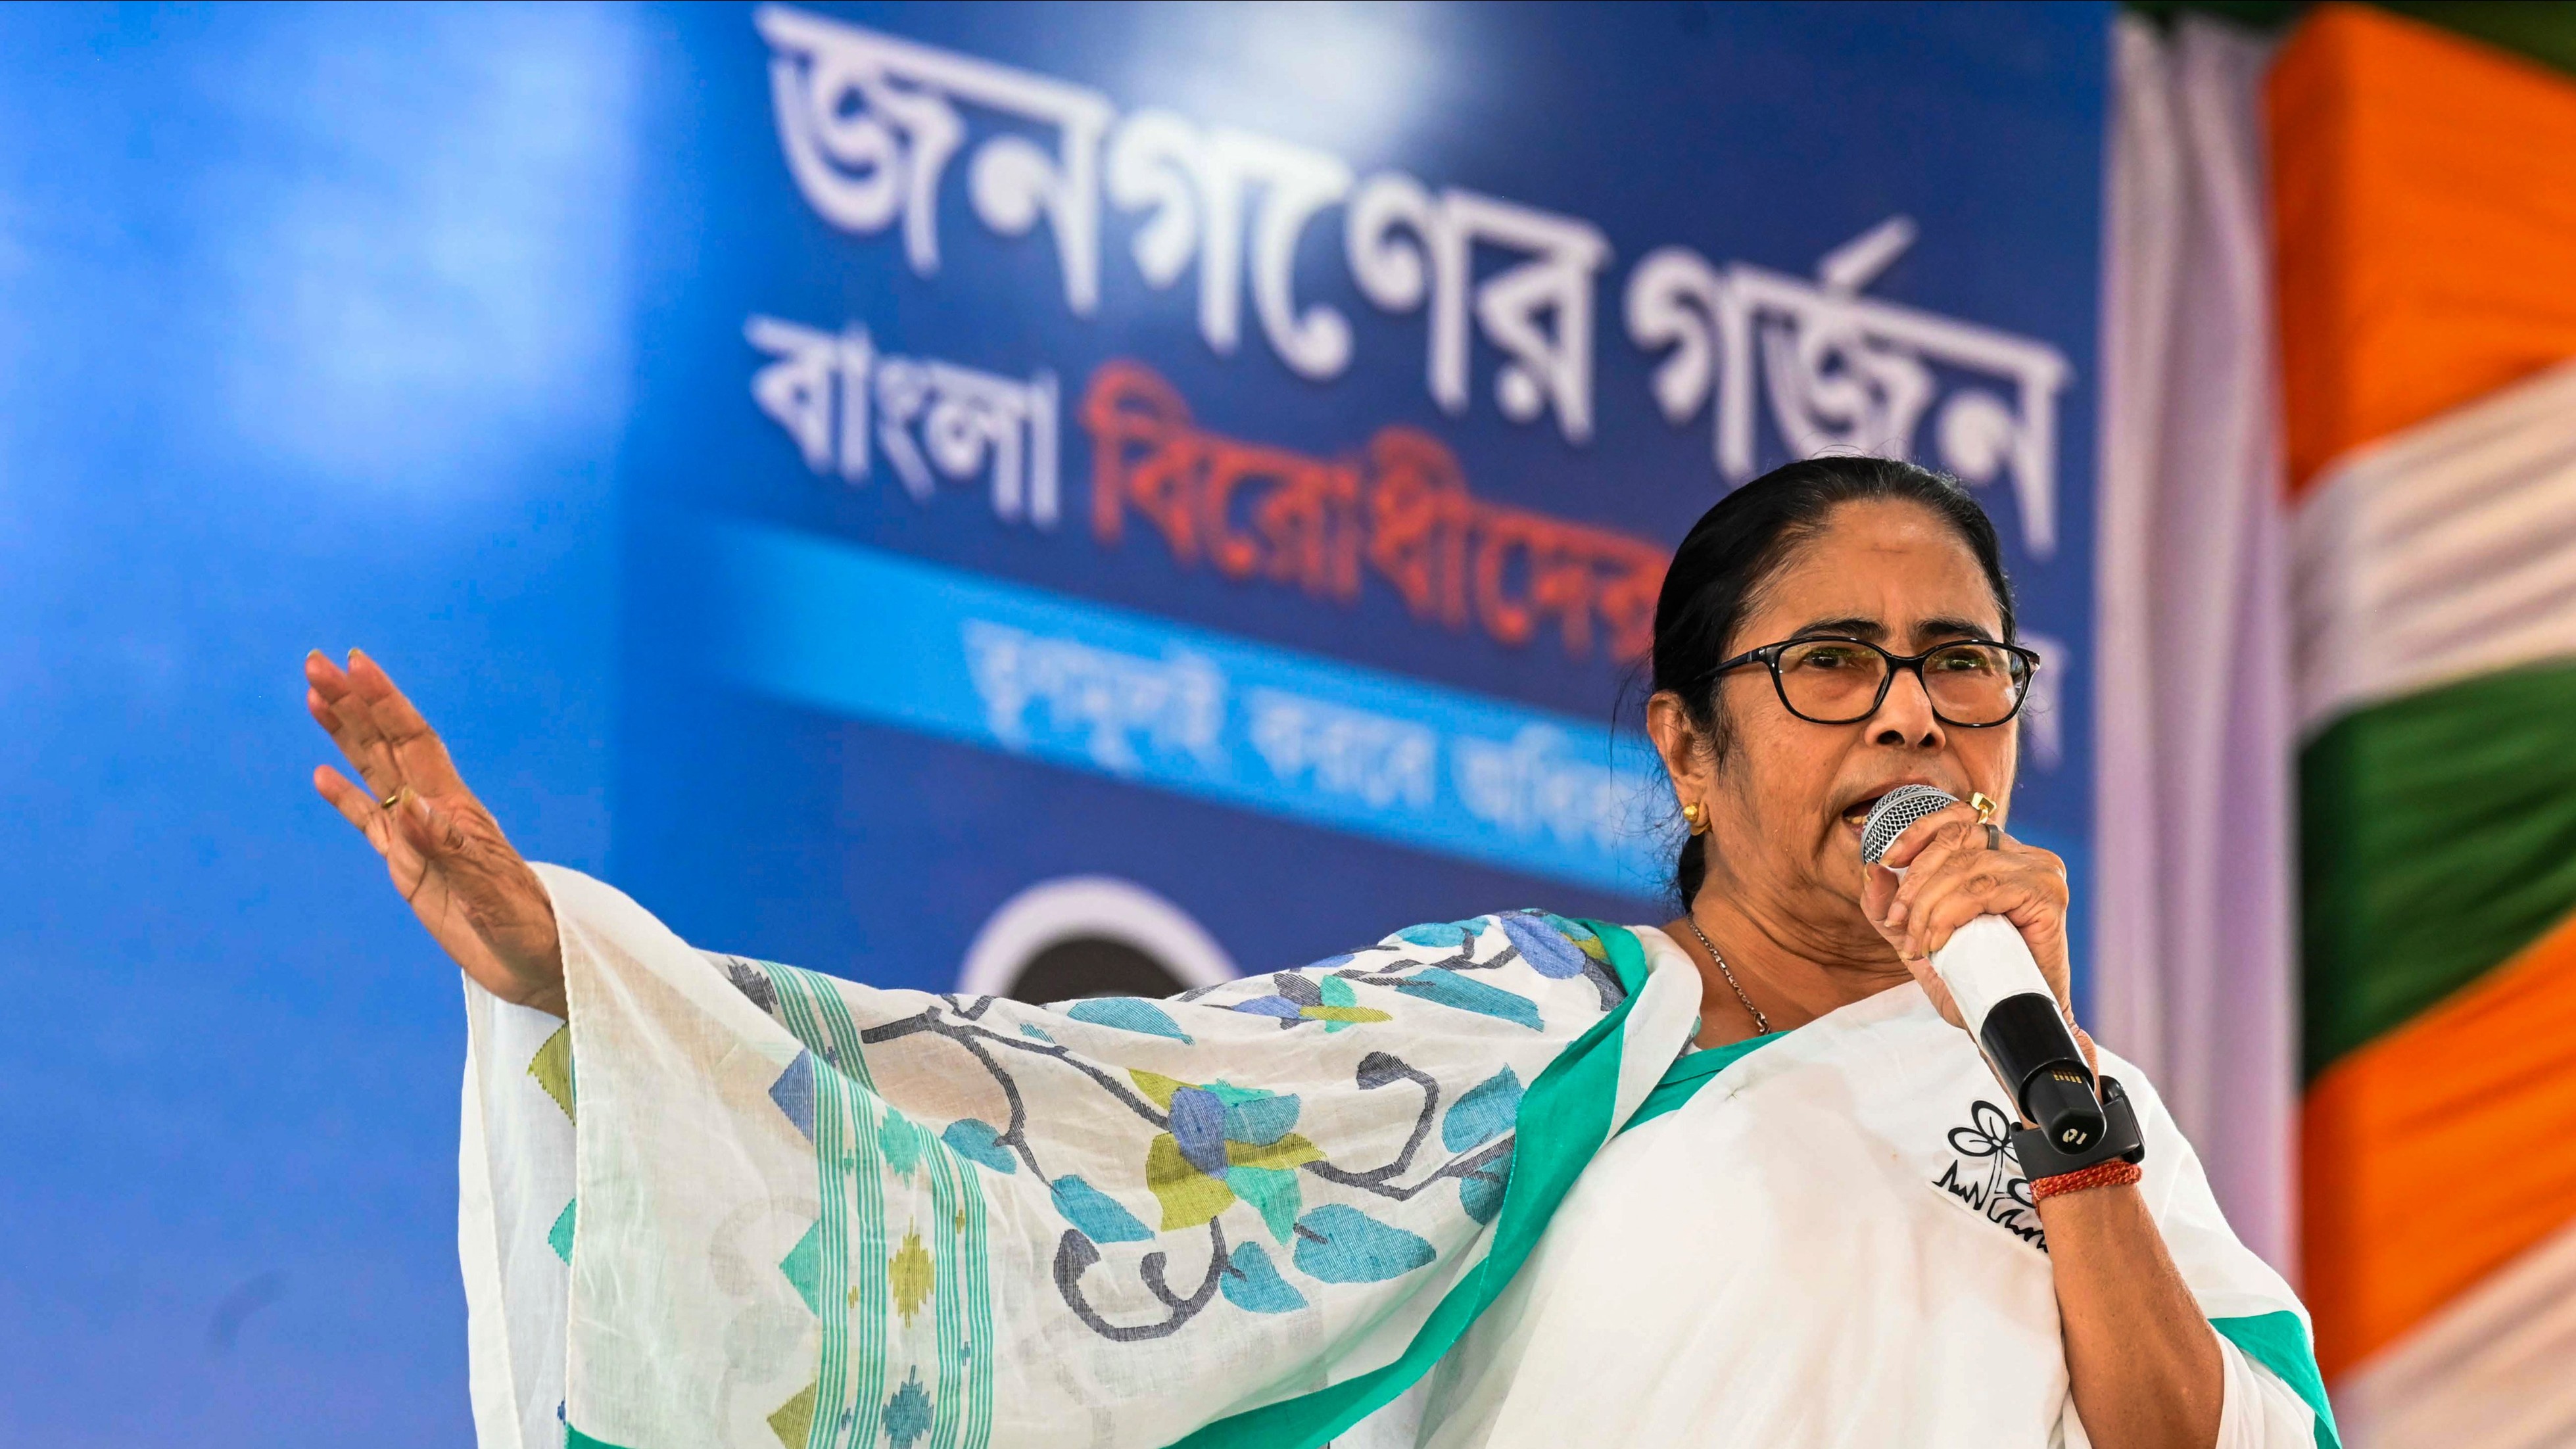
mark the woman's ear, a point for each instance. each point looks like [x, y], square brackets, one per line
[1683, 745]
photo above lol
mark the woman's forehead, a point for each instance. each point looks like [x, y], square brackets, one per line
[1894, 563]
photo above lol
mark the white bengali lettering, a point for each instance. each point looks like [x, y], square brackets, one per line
[1116, 702]
[1198, 187]
[1409, 249]
[1846, 373]
[1348, 752]
[932, 420]
[869, 123]
[1533, 783]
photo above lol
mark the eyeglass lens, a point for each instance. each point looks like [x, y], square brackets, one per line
[1836, 682]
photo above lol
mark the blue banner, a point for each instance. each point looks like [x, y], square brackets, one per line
[852, 631]
[1235, 451]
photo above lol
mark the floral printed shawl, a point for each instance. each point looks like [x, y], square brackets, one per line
[774, 1208]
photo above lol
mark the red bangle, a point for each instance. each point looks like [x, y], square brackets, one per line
[2114, 1173]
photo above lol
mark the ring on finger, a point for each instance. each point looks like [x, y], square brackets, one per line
[396, 798]
[1994, 836]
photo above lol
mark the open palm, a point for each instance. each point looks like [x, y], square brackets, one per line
[445, 852]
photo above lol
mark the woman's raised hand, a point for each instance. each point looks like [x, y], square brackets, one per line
[445, 852]
[1951, 878]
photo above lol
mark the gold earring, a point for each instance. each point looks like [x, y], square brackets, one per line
[1692, 813]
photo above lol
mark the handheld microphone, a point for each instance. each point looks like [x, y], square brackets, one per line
[2006, 1002]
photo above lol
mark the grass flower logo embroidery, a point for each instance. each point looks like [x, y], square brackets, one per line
[1227, 1144]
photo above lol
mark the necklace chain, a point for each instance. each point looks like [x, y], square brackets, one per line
[1761, 1023]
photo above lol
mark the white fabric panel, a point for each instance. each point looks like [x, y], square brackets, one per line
[514, 1176]
[1827, 1246]
[2259, 1410]
[2194, 958]
[2495, 1369]
[2446, 551]
[785, 1226]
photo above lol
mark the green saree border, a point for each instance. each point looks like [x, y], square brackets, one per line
[2279, 1342]
[1563, 1120]
[1683, 1079]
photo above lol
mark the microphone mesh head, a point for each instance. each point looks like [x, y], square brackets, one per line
[1894, 811]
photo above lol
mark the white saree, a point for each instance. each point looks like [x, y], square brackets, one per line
[732, 1203]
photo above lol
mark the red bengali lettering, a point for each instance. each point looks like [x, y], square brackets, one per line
[1401, 507]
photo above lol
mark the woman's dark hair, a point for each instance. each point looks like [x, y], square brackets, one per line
[1738, 545]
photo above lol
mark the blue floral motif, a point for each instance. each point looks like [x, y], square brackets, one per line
[1198, 1126]
[1484, 1112]
[1443, 934]
[1547, 952]
[1480, 1193]
[1447, 987]
[907, 1413]
[1128, 1013]
[1339, 1244]
[901, 1142]
[1226, 1144]
[1298, 997]
[1096, 1213]
[1252, 1283]
[976, 1141]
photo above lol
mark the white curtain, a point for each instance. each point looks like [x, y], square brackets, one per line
[2195, 956]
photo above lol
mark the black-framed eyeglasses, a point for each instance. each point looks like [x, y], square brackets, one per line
[1827, 679]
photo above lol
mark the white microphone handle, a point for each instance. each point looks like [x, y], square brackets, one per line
[1985, 961]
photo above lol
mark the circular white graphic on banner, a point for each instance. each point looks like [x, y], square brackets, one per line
[1090, 935]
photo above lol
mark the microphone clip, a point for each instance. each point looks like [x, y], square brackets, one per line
[2120, 1139]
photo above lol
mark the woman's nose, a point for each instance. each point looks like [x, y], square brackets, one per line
[1905, 717]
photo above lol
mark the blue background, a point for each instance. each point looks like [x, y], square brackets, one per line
[410, 327]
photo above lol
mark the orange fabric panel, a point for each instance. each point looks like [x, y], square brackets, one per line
[2424, 216]
[2437, 1153]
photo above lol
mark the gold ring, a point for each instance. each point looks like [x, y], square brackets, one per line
[1985, 808]
[396, 798]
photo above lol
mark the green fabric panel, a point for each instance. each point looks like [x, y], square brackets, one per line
[2438, 837]
[1683, 1079]
[1563, 1120]
[2279, 1342]
[575, 1439]
[2541, 30]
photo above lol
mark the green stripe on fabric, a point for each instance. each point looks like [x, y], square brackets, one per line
[2279, 1342]
[977, 1344]
[2437, 838]
[1683, 1079]
[1563, 1120]
[2545, 32]
[948, 1225]
[575, 1439]
[796, 1001]
[864, 1293]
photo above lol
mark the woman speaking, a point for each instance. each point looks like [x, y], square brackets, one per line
[1515, 1180]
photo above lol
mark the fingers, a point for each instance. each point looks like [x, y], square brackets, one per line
[1920, 835]
[417, 750]
[2027, 887]
[1928, 855]
[435, 833]
[346, 716]
[355, 805]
